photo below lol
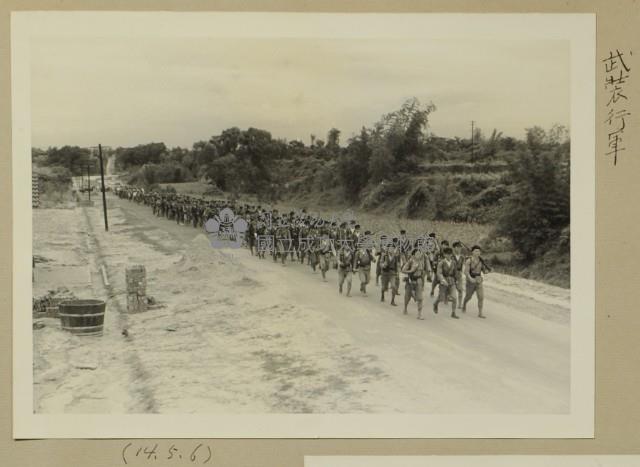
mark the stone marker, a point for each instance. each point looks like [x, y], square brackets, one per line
[136, 278]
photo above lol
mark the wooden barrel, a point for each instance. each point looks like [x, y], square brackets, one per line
[82, 317]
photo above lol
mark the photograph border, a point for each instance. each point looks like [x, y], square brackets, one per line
[579, 423]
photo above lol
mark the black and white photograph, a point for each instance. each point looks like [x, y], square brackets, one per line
[308, 218]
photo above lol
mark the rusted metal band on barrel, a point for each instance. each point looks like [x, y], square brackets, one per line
[77, 315]
[79, 328]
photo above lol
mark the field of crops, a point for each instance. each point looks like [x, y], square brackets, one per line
[466, 232]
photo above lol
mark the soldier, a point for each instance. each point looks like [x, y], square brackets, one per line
[414, 282]
[343, 235]
[251, 235]
[458, 257]
[437, 256]
[345, 267]
[378, 253]
[178, 213]
[325, 251]
[295, 237]
[313, 251]
[474, 269]
[186, 212]
[389, 263]
[333, 231]
[446, 274]
[303, 243]
[363, 265]
[197, 213]
[156, 207]
[356, 234]
[271, 230]
[261, 231]
[431, 257]
[405, 247]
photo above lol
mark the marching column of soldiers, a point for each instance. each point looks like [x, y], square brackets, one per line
[324, 244]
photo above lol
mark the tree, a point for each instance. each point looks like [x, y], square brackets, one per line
[38, 155]
[74, 158]
[204, 152]
[333, 140]
[405, 133]
[536, 138]
[508, 143]
[381, 159]
[223, 172]
[353, 168]
[490, 147]
[381, 164]
[557, 134]
[446, 198]
[228, 141]
[296, 147]
[139, 155]
[537, 210]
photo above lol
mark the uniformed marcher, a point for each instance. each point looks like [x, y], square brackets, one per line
[346, 261]
[414, 282]
[437, 256]
[283, 239]
[378, 252]
[474, 268]
[458, 257]
[363, 260]
[251, 235]
[325, 252]
[389, 263]
[446, 273]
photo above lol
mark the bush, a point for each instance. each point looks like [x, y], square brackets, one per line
[419, 202]
[384, 191]
[142, 154]
[168, 172]
[490, 197]
[470, 186]
[446, 198]
[537, 211]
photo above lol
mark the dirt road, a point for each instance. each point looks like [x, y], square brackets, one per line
[237, 334]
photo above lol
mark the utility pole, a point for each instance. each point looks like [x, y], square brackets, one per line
[89, 181]
[472, 141]
[104, 197]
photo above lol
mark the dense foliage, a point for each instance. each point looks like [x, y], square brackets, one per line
[537, 211]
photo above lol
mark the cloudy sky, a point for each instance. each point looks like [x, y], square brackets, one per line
[125, 91]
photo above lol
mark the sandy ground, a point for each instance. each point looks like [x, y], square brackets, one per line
[236, 334]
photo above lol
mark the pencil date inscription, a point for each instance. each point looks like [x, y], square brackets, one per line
[141, 454]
